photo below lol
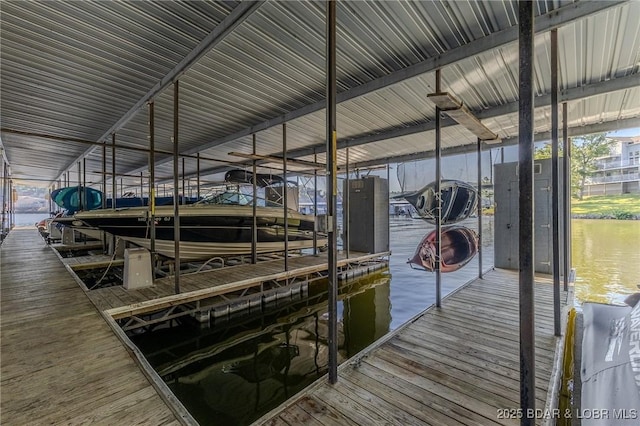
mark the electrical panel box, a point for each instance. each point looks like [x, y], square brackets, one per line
[507, 213]
[366, 214]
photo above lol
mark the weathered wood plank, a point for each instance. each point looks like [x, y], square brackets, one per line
[323, 413]
[429, 407]
[61, 362]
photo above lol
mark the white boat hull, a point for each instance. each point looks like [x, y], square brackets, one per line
[206, 250]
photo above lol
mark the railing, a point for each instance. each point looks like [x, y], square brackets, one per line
[617, 164]
[617, 178]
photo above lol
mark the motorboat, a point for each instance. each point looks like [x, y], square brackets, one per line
[459, 245]
[459, 201]
[219, 225]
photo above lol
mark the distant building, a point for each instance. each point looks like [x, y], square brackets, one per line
[619, 172]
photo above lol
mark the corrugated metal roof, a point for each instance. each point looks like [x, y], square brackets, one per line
[75, 69]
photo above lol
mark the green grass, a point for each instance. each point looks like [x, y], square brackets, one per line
[615, 206]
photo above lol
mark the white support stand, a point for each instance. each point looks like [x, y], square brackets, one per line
[54, 232]
[68, 236]
[137, 268]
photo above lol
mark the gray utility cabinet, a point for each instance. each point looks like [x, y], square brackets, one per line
[367, 205]
[506, 196]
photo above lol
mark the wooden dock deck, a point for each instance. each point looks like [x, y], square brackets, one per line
[455, 365]
[61, 362]
[119, 302]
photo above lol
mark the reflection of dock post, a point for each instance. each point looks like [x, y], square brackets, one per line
[359, 328]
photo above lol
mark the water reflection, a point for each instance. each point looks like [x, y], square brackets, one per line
[232, 373]
[606, 255]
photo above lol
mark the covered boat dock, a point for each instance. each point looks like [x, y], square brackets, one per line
[193, 86]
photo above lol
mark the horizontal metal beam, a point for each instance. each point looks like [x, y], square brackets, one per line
[94, 144]
[547, 22]
[278, 159]
[606, 126]
[568, 95]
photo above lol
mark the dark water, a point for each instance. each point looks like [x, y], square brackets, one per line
[235, 371]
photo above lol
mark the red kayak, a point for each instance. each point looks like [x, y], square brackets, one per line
[459, 245]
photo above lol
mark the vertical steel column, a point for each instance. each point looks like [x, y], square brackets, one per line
[198, 175]
[114, 184]
[479, 154]
[85, 202]
[11, 206]
[104, 175]
[152, 182]
[176, 191]
[80, 189]
[555, 188]
[315, 205]
[525, 164]
[4, 196]
[345, 210]
[332, 189]
[254, 224]
[566, 173]
[285, 191]
[184, 190]
[439, 200]
[141, 189]
[388, 190]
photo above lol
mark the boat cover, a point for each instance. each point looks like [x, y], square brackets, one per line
[67, 199]
[610, 365]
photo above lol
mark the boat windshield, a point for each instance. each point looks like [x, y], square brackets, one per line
[237, 199]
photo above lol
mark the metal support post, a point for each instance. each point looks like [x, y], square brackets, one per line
[84, 205]
[254, 225]
[345, 210]
[555, 188]
[80, 189]
[184, 188]
[438, 241]
[104, 175]
[152, 181]
[285, 193]
[114, 184]
[480, 250]
[176, 190]
[198, 176]
[566, 172]
[525, 164]
[332, 187]
[315, 205]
